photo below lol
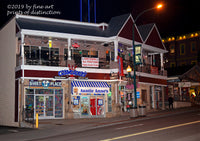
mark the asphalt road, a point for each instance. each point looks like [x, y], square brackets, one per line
[181, 127]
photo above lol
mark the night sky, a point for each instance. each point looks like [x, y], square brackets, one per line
[176, 18]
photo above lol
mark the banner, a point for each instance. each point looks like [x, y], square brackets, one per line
[138, 54]
[90, 62]
[121, 69]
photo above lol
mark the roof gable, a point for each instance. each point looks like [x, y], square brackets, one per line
[115, 24]
[145, 30]
[127, 31]
[154, 39]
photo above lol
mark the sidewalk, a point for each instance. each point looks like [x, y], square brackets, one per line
[58, 127]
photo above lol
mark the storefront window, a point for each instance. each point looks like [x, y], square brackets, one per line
[44, 91]
[59, 103]
[48, 103]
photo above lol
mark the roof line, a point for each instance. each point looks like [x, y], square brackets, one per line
[149, 33]
[57, 20]
[123, 25]
[160, 37]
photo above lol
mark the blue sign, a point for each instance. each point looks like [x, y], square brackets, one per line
[76, 102]
[138, 94]
[100, 102]
[72, 72]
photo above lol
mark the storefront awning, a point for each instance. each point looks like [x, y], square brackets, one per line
[88, 84]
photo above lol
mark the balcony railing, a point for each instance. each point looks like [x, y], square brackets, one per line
[103, 64]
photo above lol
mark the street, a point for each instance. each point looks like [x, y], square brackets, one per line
[183, 127]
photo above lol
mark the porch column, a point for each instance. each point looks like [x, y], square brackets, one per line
[163, 97]
[153, 97]
[161, 61]
[69, 49]
[116, 49]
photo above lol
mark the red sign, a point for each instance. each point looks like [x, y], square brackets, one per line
[154, 70]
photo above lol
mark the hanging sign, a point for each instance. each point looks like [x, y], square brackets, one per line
[121, 69]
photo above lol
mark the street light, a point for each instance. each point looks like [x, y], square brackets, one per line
[159, 6]
[133, 110]
[129, 69]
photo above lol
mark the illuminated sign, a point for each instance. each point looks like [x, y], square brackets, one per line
[72, 72]
[90, 90]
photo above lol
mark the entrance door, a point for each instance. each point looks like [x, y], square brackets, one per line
[97, 106]
[93, 105]
[44, 106]
[85, 104]
[100, 106]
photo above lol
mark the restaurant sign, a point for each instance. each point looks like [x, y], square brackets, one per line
[48, 84]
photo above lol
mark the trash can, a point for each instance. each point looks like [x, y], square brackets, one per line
[142, 110]
[133, 112]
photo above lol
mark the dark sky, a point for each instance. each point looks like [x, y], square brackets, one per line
[177, 17]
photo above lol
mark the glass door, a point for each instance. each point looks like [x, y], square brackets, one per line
[39, 105]
[44, 105]
[85, 104]
[49, 108]
[93, 105]
[100, 106]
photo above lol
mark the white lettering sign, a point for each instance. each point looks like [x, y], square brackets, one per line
[90, 62]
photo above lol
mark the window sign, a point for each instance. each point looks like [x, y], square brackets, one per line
[100, 102]
[76, 102]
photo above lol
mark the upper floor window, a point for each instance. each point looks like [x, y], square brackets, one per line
[193, 47]
[172, 49]
[182, 49]
[172, 64]
[93, 54]
[41, 55]
[194, 62]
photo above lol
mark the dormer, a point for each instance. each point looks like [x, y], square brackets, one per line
[103, 26]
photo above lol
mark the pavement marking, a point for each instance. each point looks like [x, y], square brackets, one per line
[150, 131]
[130, 126]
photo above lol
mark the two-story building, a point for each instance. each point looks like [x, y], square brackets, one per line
[65, 69]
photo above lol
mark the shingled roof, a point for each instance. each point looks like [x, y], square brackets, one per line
[145, 30]
[92, 29]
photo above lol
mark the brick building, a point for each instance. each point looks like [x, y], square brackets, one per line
[181, 62]
[65, 69]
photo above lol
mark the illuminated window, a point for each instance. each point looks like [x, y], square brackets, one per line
[182, 49]
[172, 49]
[172, 64]
[183, 63]
[194, 62]
[193, 47]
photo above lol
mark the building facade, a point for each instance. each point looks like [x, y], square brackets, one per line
[64, 69]
[182, 62]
